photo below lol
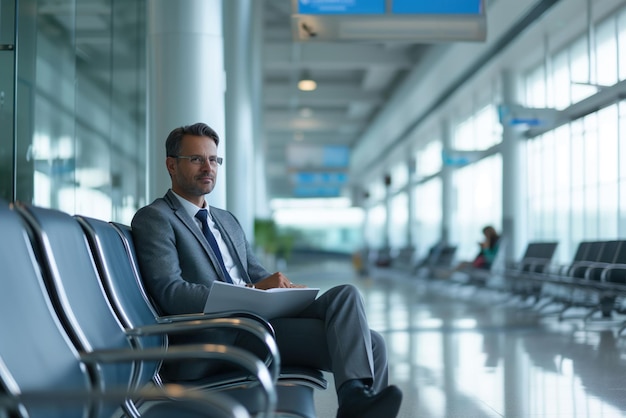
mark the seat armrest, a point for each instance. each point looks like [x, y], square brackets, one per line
[201, 402]
[304, 375]
[591, 267]
[606, 273]
[237, 356]
[225, 314]
[533, 263]
[238, 324]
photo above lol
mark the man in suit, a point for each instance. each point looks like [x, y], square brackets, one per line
[179, 264]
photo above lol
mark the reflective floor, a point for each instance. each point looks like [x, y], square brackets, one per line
[458, 352]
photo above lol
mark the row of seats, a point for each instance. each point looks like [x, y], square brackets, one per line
[595, 279]
[405, 261]
[81, 338]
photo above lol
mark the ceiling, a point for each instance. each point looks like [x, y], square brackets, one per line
[354, 80]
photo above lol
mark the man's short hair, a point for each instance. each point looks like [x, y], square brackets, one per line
[175, 138]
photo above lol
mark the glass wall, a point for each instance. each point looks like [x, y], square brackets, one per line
[428, 160]
[320, 224]
[375, 219]
[575, 184]
[399, 176]
[480, 131]
[477, 187]
[80, 99]
[428, 215]
[399, 222]
[477, 203]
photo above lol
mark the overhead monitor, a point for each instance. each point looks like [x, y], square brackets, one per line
[387, 20]
[445, 7]
[314, 7]
[317, 156]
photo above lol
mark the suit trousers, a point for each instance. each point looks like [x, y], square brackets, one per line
[332, 334]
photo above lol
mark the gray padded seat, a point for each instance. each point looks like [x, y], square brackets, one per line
[113, 250]
[72, 281]
[42, 374]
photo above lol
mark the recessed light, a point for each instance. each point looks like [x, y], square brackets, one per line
[307, 85]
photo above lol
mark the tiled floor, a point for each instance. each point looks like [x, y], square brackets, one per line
[460, 353]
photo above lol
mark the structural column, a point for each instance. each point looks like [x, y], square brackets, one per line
[410, 198]
[239, 112]
[261, 202]
[185, 68]
[447, 189]
[8, 65]
[512, 178]
[388, 210]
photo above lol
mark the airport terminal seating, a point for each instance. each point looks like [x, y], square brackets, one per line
[396, 263]
[100, 326]
[44, 373]
[595, 279]
[519, 276]
[492, 277]
[503, 276]
[405, 262]
[114, 252]
[537, 258]
[438, 261]
[565, 285]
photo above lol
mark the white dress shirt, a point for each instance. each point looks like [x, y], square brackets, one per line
[229, 263]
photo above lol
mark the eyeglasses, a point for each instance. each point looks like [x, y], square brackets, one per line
[201, 160]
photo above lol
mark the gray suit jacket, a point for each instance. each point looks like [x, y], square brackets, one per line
[176, 262]
[179, 268]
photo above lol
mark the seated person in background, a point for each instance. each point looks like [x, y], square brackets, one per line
[488, 249]
[487, 252]
[183, 246]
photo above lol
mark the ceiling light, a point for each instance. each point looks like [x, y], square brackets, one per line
[306, 83]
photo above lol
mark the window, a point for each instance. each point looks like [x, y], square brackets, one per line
[428, 159]
[478, 202]
[399, 176]
[574, 182]
[428, 211]
[86, 114]
[606, 53]
[375, 231]
[478, 132]
[399, 221]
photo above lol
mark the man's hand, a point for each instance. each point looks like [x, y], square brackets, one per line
[275, 280]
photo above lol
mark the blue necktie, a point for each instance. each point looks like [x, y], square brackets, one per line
[202, 216]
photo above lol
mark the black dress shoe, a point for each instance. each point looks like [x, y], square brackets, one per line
[365, 404]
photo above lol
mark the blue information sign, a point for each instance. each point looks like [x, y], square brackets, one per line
[335, 156]
[317, 191]
[439, 7]
[305, 178]
[324, 7]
